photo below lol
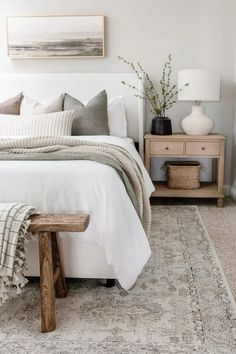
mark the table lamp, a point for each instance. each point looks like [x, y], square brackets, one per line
[204, 85]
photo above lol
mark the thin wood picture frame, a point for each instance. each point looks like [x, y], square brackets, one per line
[56, 36]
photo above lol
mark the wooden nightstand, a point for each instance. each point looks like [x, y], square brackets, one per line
[182, 145]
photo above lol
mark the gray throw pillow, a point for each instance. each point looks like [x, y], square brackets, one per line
[91, 119]
[12, 105]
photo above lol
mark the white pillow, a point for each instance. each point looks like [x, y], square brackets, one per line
[31, 106]
[52, 124]
[117, 117]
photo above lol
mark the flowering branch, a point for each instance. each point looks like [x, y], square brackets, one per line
[160, 102]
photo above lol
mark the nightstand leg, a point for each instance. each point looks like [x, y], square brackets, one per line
[221, 163]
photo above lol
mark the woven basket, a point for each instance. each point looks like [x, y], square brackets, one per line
[183, 174]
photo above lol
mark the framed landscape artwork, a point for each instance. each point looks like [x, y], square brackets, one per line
[55, 36]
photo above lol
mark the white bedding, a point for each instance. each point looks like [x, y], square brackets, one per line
[86, 186]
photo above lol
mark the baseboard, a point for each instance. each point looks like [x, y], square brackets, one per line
[233, 193]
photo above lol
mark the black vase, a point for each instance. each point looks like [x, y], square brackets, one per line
[161, 126]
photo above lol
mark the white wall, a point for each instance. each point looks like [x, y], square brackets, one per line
[233, 183]
[233, 164]
[198, 34]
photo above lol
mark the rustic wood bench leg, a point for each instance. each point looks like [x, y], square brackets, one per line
[47, 292]
[58, 271]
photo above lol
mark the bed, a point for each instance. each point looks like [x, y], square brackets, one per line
[115, 244]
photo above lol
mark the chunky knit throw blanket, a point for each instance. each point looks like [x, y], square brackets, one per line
[13, 229]
[70, 148]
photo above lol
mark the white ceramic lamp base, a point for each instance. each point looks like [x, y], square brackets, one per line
[197, 123]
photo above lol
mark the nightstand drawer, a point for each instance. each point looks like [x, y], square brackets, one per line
[203, 148]
[166, 148]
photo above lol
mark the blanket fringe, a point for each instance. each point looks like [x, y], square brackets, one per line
[17, 281]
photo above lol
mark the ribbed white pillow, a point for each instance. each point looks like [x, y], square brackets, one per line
[51, 124]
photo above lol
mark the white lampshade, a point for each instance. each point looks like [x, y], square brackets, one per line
[204, 85]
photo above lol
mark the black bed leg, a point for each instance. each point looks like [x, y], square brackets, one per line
[110, 283]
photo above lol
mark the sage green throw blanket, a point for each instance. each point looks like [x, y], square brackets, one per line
[69, 148]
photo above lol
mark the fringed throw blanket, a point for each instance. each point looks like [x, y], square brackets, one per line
[69, 148]
[13, 230]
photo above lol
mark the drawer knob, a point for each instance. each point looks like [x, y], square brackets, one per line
[203, 148]
[166, 148]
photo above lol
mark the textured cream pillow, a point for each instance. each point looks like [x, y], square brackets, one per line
[31, 106]
[52, 124]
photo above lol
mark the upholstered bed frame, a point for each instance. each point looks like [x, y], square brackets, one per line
[87, 260]
[83, 86]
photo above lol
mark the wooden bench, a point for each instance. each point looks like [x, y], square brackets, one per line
[52, 280]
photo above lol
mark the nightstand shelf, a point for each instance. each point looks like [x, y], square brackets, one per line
[207, 189]
[181, 146]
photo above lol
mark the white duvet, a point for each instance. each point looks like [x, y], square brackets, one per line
[86, 186]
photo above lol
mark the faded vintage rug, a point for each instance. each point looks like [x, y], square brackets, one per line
[221, 226]
[180, 304]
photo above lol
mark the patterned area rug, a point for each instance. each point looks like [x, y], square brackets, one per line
[179, 305]
[221, 226]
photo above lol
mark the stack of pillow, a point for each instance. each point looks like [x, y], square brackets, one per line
[66, 115]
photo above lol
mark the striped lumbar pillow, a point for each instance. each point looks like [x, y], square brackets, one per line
[51, 124]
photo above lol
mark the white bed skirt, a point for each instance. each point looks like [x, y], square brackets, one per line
[80, 259]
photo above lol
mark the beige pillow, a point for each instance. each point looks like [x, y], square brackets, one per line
[31, 106]
[51, 124]
[12, 105]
